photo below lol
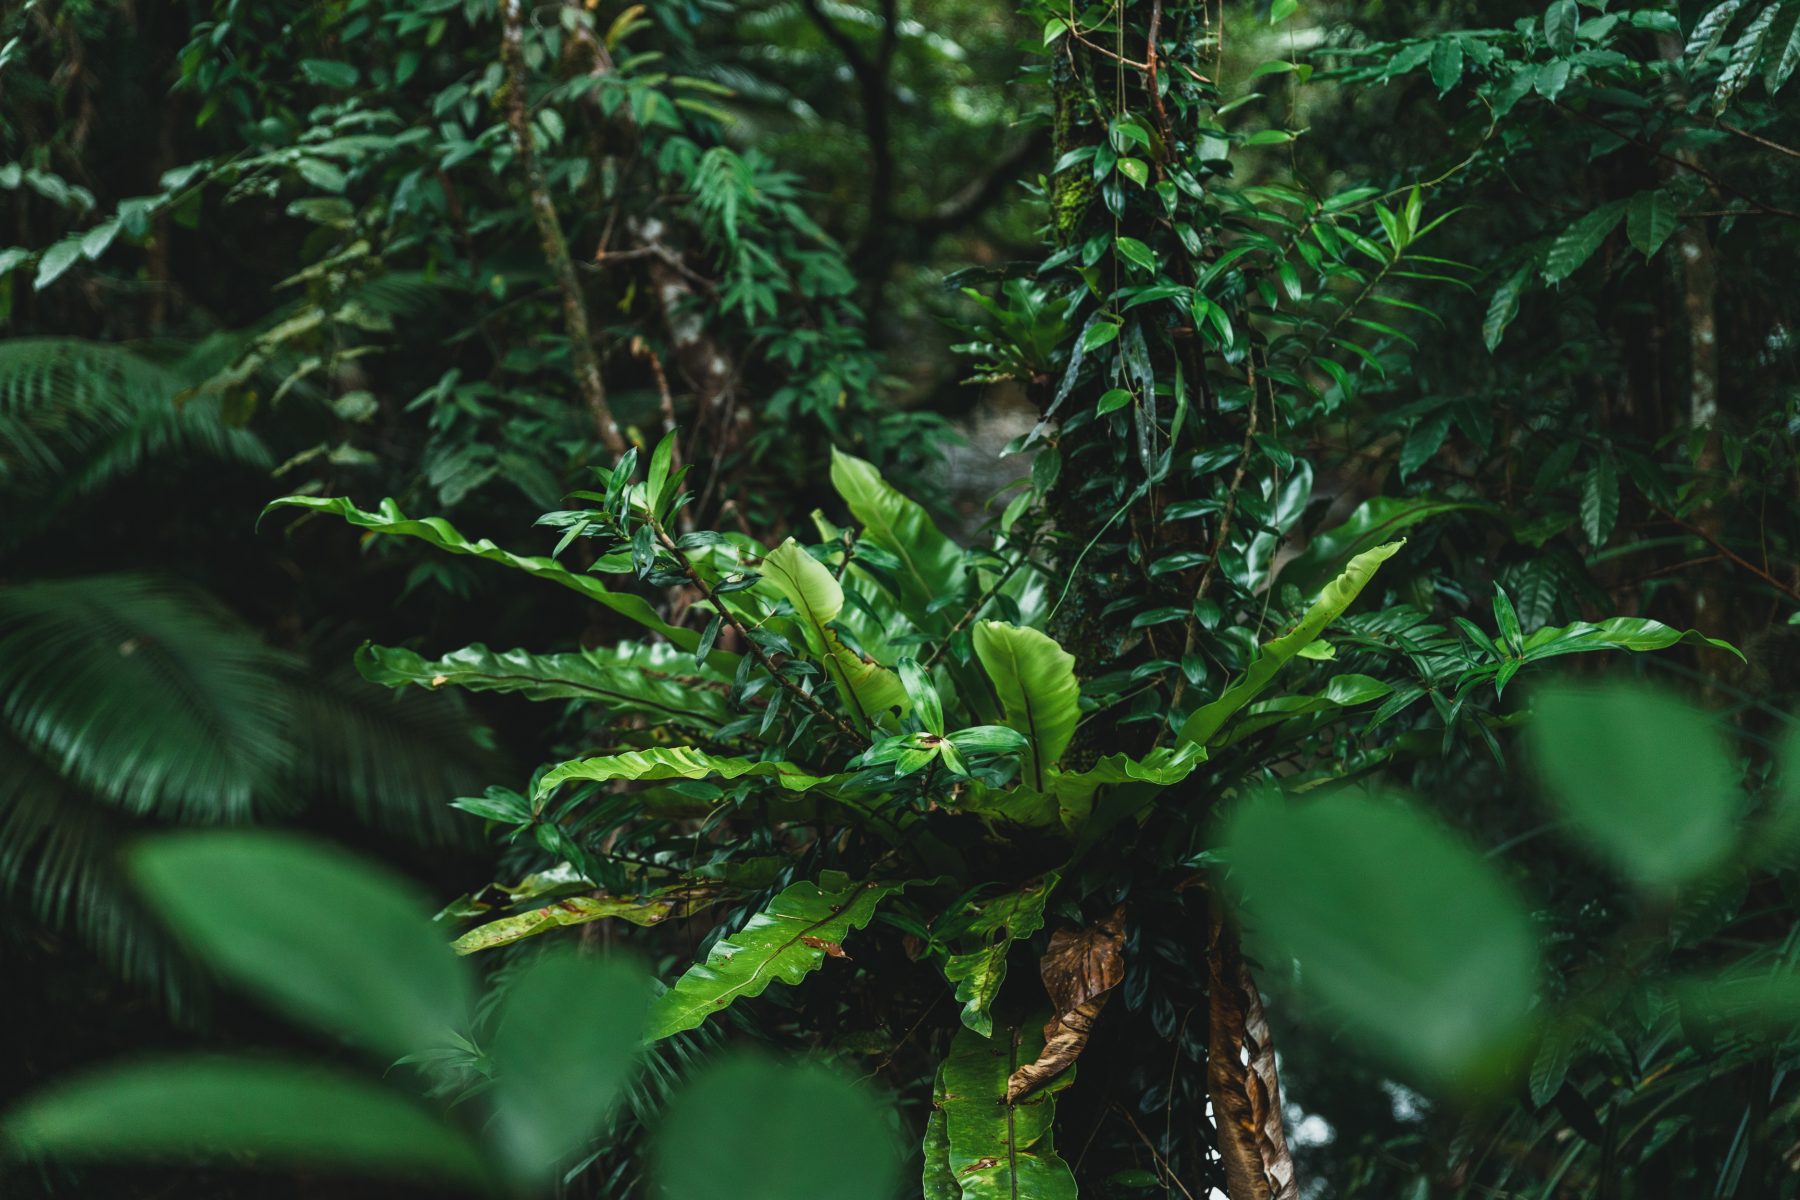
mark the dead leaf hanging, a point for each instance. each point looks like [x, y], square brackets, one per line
[1080, 969]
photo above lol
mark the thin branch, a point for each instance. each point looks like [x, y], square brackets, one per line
[1740, 560]
[1759, 139]
[584, 360]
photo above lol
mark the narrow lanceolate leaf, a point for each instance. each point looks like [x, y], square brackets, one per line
[1241, 1078]
[279, 1114]
[1503, 308]
[999, 1150]
[1650, 220]
[870, 690]
[931, 564]
[440, 533]
[1080, 968]
[787, 941]
[1035, 680]
[1338, 595]
[1599, 501]
[682, 762]
[654, 679]
[997, 924]
[681, 900]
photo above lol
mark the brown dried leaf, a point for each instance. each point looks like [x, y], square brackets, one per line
[831, 949]
[1080, 969]
[1240, 1077]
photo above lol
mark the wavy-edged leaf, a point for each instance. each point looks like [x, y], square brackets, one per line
[870, 689]
[657, 680]
[999, 1150]
[1338, 595]
[283, 1114]
[931, 564]
[1615, 633]
[1374, 521]
[679, 900]
[436, 531]
[785, 942]
[1035, 680]
[937, 1181]
[996, 925]
[331, 941]
[1080, 968]
[683, 762]
[1164, 767]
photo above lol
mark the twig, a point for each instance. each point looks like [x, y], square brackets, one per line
[1759, 139]
[1725, 550]
[556, 248]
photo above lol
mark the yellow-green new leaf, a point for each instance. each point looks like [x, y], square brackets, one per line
[818, 598]
[998, 923]
[683, 762]
[931, 564]
[681, 900]
[1035, 680]
[440, 533]
[785, 942]
[1338, 595]
[1000, 1151]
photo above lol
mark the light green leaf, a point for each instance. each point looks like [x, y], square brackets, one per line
[1373, 522]
[683, 762]
[1136, 251]
[1503, 308]
[999, 1151]
[569, 1034]
[752, 1129]
[440, 533]
[343, 946]
[284, 1115]
[1338, 595]
[1075, 790]
[931, 563]
[997, 924]
[677, 900]
[634, 677]
[1560, 20]
[1407, 935]
[54, 261]
[1615, 633]
[1643, 778]
[1035, 680]
[785, 942]
[869, 689]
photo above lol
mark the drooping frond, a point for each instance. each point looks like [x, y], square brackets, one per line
[145, 693]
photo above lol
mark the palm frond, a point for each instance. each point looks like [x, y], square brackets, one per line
[145, 693]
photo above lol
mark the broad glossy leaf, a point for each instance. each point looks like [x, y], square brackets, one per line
[568, 1038]
[931, 564]
[630, 677]
[1643, 778]
[784, 943]
[1576, 244]
[680, 900]
[1035, 680]
[751, 1129]
[1615, 633]
[1400, 929]
[996, 925]
[1000, 1151]
[273, 1114]
[1375, 521]
[440, 533]
[331, 941]
[1337, 596]
[1650, 220]
[1074, 790]
[871, 689]
[683, 762]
